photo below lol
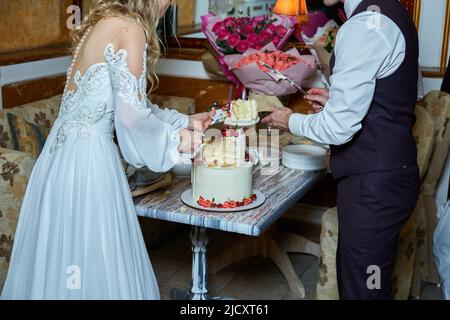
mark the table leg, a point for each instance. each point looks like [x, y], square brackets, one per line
[199, 280]
[199, 276]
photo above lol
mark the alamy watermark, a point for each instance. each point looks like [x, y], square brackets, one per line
[73, 22]
[73, 281]
[374, 280]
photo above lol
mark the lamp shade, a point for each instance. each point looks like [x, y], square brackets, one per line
[291, 7]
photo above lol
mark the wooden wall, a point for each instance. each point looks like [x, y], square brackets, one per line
[29, 24]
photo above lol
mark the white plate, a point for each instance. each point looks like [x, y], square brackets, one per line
[187, 199]
[305, 157]
[241, 124]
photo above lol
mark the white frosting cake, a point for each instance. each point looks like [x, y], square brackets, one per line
[243, 111]
[225, 178]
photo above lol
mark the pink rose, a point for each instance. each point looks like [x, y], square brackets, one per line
[242, 46]
[281, 31]
[233, 40]
[223, 34]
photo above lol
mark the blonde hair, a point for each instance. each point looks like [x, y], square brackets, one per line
[146, 13]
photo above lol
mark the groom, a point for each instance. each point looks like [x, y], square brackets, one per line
[367, 118]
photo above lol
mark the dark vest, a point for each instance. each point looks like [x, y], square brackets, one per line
[385, 141]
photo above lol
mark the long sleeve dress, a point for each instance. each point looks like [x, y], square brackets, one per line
[78, 235]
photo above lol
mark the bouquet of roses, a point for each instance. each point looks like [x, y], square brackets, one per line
[235, 35]
[253, 76]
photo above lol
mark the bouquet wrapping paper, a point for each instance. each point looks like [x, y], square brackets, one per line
[252, 77]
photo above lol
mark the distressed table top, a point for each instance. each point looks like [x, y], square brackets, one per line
[281, 189]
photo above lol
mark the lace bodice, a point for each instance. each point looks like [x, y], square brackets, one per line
[90, 107]
[109, 96]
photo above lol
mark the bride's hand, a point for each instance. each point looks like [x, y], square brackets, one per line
[190, 141]
[201, 121]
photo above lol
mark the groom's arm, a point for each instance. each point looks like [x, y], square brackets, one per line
[363, 55]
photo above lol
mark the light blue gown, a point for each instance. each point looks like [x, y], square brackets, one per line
[78, 235]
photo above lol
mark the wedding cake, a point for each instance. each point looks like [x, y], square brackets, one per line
[243, 111]
[224, 176]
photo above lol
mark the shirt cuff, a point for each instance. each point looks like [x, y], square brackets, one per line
[295, 124]
[184, 121]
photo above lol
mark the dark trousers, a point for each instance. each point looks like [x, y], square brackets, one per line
[372, 210]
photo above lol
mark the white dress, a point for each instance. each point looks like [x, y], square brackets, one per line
[78, 235]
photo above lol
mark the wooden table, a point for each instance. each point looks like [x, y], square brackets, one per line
[282, 189]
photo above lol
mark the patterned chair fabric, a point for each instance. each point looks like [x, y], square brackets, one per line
[438, 103]
[16, 168]
[412, 238]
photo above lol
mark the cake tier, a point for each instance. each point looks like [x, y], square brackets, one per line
[221, 185]
[244, 111]
[225, 152]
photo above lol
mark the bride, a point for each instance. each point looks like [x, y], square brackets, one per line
[78, 236]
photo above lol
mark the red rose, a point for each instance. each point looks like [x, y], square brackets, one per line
[276, 41]
[259, 19]
[258, 46]
[249, 28]
[242, 46]
[253, 39]
[281, 31]
[219, 25]
[271, 28]
[233, 40]
[223, 34]
[229, 22]
[265, 35]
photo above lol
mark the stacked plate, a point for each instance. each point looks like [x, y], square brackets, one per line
[305, 157]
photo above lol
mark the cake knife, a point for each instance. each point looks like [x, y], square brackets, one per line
[278, 76]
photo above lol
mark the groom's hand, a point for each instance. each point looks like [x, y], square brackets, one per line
[201, 121]
[279, 118]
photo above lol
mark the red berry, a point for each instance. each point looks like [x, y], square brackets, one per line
[226, 205]
[208, 203]
[220, 206]
[233, 204]
[254, 197]
[240, 204]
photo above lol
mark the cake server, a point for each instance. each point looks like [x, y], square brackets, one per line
[278, 76]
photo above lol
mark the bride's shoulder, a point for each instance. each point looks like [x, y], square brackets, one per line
[121, 29]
